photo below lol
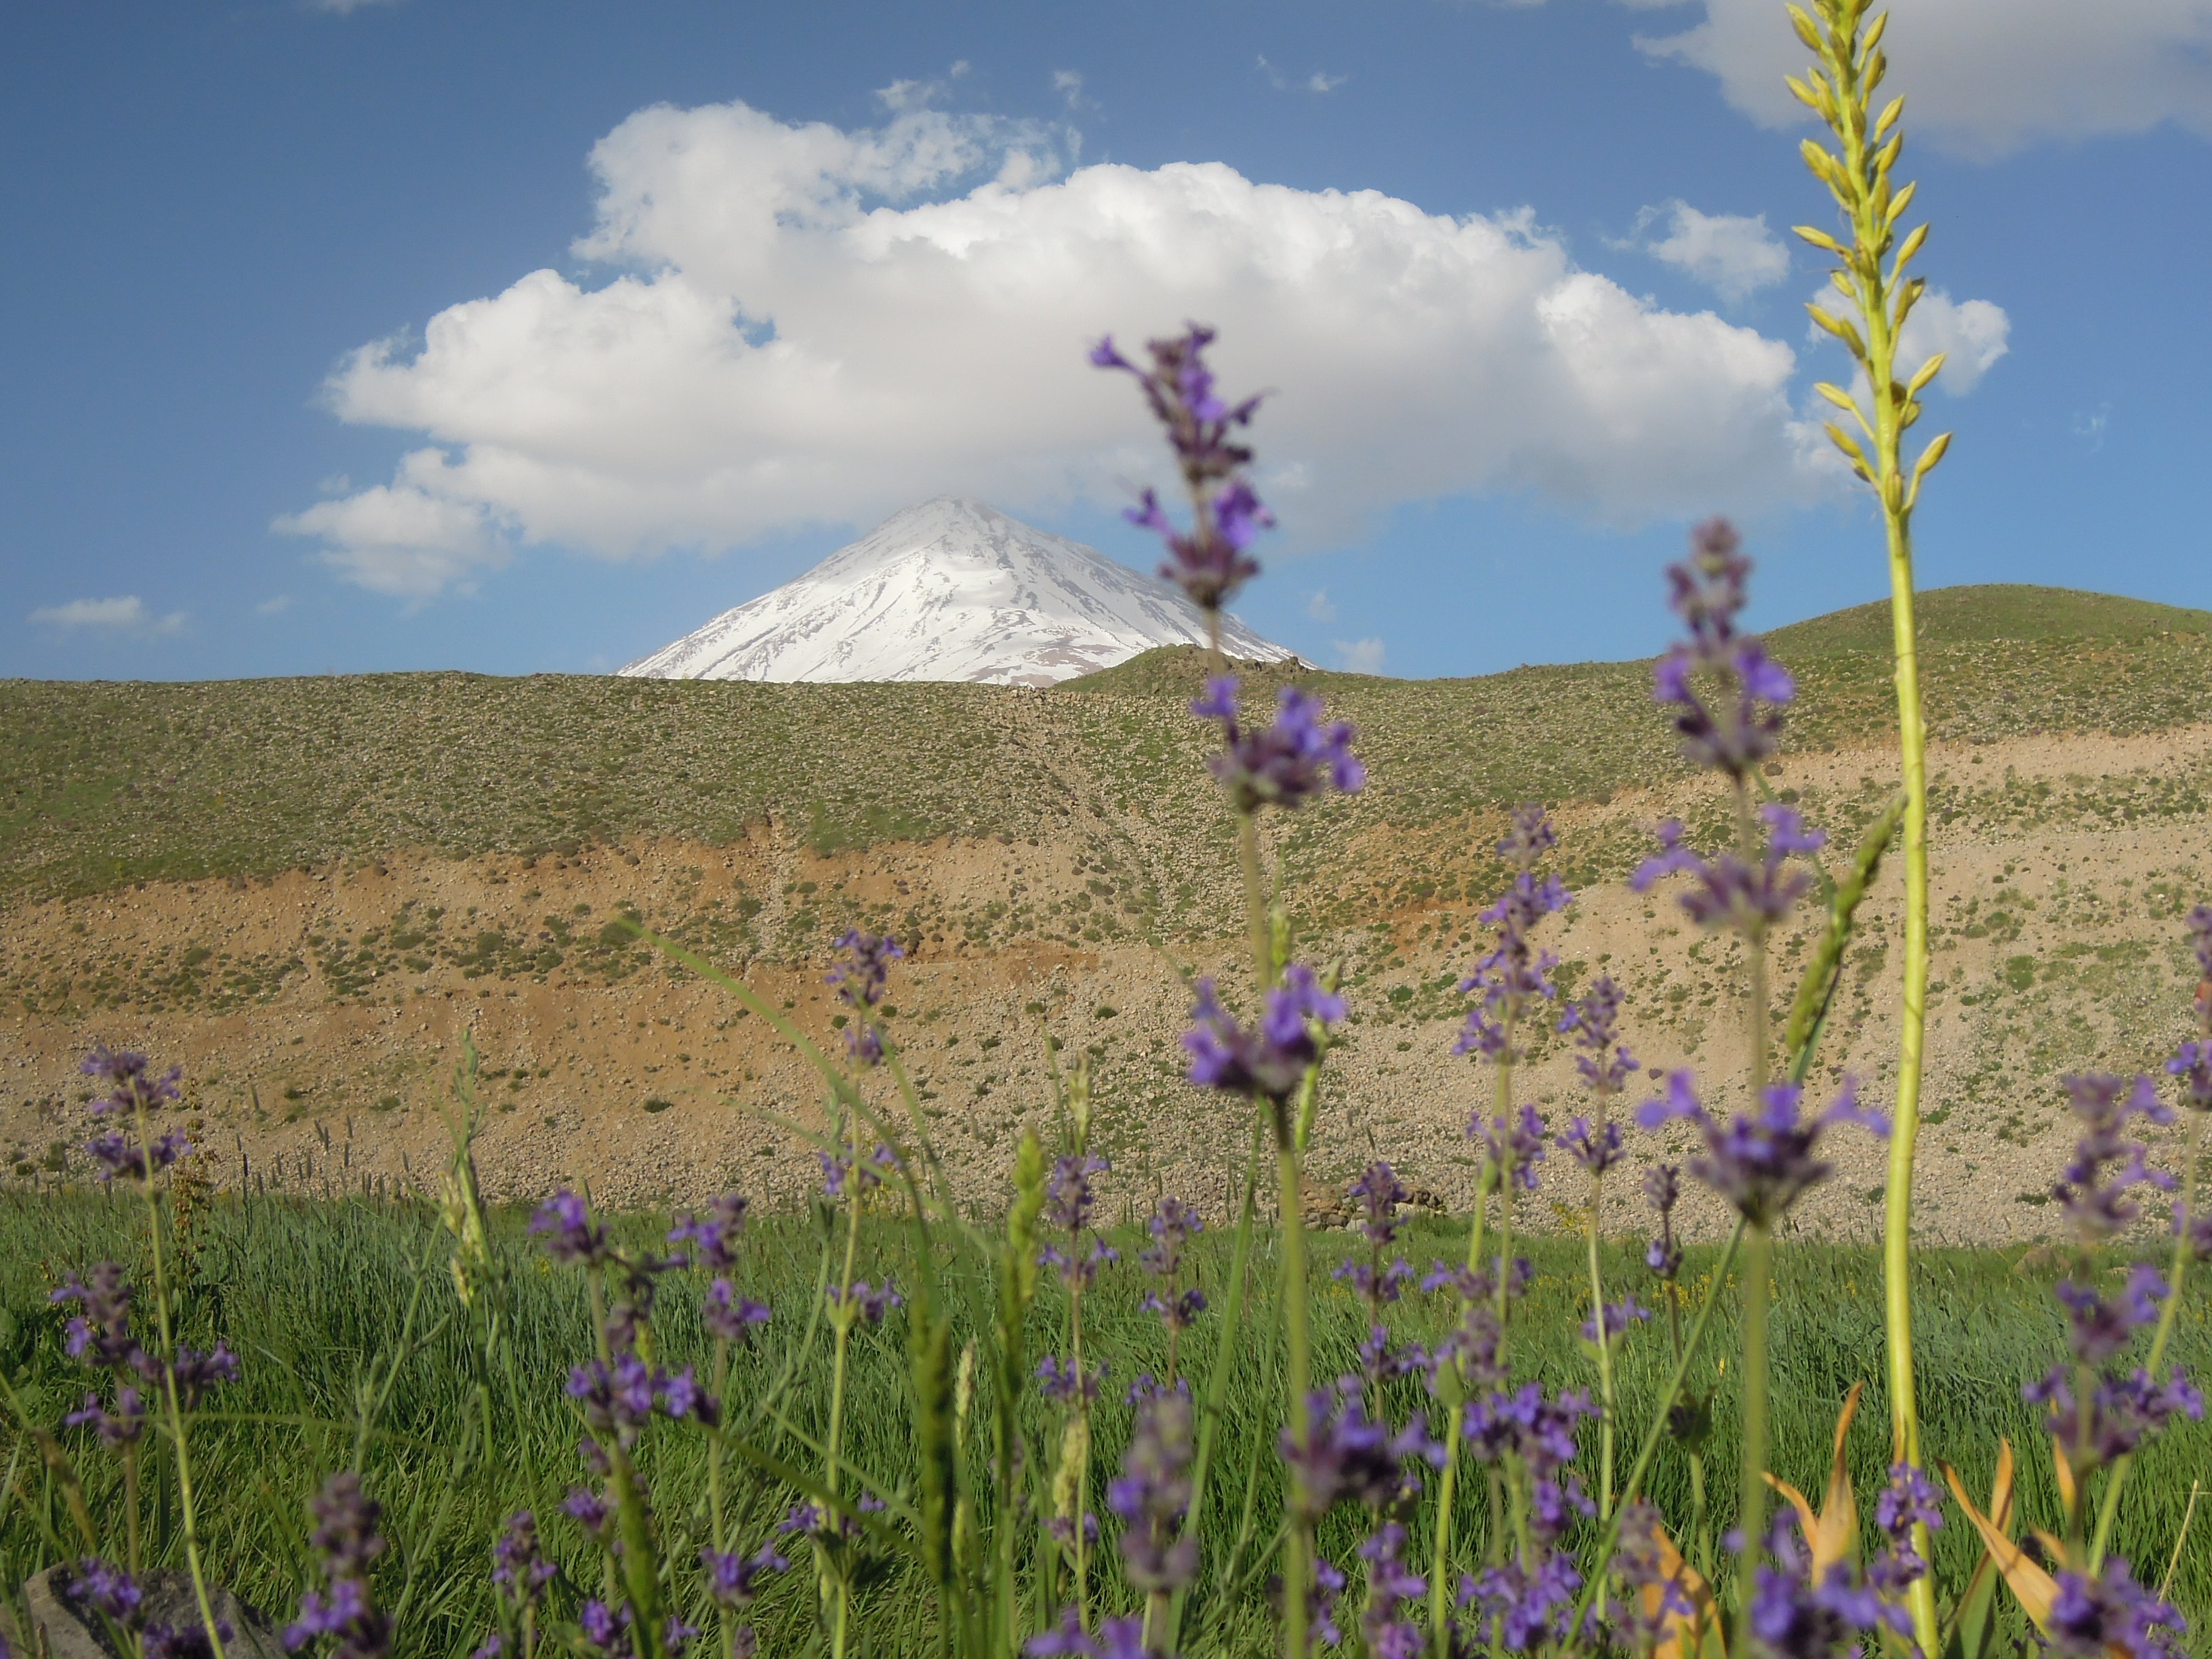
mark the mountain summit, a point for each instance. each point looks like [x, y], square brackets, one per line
[948, 590]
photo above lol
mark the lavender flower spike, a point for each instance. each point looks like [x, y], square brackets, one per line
[1272, 1062]
[1762, 1160]
[1285, 762]
[1209, 561]
[1741, 724]
[1726, 892]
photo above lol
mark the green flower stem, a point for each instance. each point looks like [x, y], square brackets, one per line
[1604, 1355]
[839, 1590]
[1634, 1479]
[2108, 1509]
[1841, 91]
[1751, 1498]
[1298, 1542]
[172, 1405]
[725, 1619]
[1264, 967]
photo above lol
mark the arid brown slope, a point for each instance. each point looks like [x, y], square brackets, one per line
[319, 1012]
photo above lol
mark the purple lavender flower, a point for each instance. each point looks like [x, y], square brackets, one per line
[1522, 1421]
[1209, 561]
[616, 1398]
[713, 1238]
[118, 1156]
[1618, 1316]
[2100, 1326]
[1514, 972]
[1287, 761]
[728, 1316]
[1376, 1193]
[1761, 1161]
[1272, 1062]
[1909, 1500]
[108, 1588]
[1349, 1456]
[602, 1628]
[1062, 1380]
[1375, 1283]
[1740, 727]
[519, 1567]
[865, 1301]
[2124, 1411]
[588, 1508]
[1726, 892]
[2199, 929]
[131, 1081]
[1390, 1623]
[1640, 1567]
[1117, 1638]
[2192, 1064]
[1604, 1062]
[347, 1544]
[1151, 1494]
[1514, 1143]
[2093, 1194]
[1068, 1194]
[1076, 1267]
[117, 1429]
[2110, 1614]
[680, 1396]
[861, 979]
[1524, 1604]
[197, 1374]
[1661, 1189]
[2195, 1232]
[1597, 1150]
[854, 1176]
[731, 1578]
[564, 1222]
[101, 1335]
[1174, 1224]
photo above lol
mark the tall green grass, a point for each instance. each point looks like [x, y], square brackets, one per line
[311, 1294]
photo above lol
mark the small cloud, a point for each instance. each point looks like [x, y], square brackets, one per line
[1319, 81]
[274, 606]
[2090, 427]
[1971, 334]
[1358, 656]
[1068, 83]
[338, 483]
[126, 615]
[903, 97]
[1319, 606]
[400, 538]
[1734, 255]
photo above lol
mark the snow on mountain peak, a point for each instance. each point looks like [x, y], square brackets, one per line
[949, 589]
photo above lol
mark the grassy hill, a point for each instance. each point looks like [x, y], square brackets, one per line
[108, 783]
[1994, 611]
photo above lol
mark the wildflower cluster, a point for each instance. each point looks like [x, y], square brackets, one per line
[1272, 1062]
[861, 979]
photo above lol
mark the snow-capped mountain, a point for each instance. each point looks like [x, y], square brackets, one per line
[948, 590]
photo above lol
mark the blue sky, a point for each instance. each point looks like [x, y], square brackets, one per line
[522, 336]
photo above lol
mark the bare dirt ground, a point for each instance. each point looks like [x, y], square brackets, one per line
[2057, 948]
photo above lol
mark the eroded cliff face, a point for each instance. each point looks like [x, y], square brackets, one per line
[319, 1015]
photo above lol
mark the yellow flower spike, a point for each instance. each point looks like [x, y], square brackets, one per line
[1833, 1534]
[2031, 1586]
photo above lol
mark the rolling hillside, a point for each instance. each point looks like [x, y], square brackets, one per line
[308, 889]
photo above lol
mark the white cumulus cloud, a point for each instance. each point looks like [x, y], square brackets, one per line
[1985, 76]
[1319, 606]
[1734, 255]
[810, 325]
[128, 614]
